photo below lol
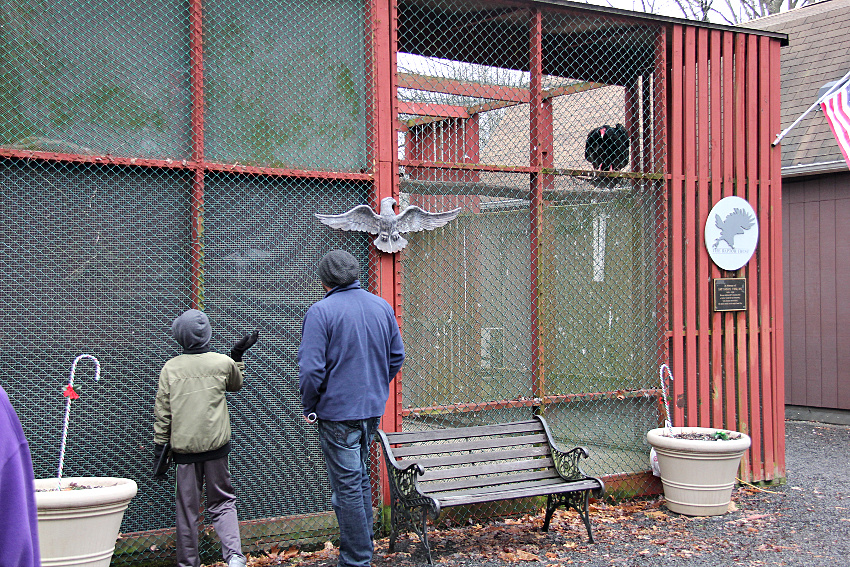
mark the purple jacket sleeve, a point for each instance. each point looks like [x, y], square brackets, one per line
[19, 533]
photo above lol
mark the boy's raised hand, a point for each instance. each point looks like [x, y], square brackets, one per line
[244, 344]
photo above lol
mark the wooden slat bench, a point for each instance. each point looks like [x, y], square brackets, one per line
[436, 469]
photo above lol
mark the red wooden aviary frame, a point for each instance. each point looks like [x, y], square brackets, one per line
[728, 366]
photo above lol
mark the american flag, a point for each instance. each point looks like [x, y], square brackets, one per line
[837, 110]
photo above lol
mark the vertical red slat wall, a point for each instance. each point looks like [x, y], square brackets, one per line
[723, 101]
[690, 239]
[703, 189]
[776, 293]
[767, 265]
[722, 107]
[714, 193]
[727, 160]
[675, 191]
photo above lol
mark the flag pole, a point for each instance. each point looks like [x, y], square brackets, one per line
[839, 84]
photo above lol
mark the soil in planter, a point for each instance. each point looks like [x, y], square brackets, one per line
[716, 436]
[70, 486]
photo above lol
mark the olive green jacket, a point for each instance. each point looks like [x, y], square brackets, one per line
[191, 409]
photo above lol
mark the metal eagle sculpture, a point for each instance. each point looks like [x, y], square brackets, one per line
[388, 225]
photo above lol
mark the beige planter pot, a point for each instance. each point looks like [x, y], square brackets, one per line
[80, 527]
[698, 476]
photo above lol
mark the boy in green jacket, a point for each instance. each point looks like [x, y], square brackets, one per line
[191, 414]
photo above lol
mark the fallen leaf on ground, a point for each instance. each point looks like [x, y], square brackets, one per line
[518, 555]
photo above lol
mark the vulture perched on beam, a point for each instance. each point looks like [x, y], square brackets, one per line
[607, 148]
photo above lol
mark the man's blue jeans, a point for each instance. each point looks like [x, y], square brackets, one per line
[345, 445]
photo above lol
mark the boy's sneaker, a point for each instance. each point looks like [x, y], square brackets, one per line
[236, 561]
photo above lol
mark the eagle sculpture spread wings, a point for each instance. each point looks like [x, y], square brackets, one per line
[388, 225]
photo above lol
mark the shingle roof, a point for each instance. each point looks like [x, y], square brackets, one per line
[818, 52]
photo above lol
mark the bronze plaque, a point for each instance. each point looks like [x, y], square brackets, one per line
[730, 294]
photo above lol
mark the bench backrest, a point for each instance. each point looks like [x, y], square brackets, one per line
[464, 457]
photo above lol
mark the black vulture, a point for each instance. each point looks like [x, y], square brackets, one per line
[607, 148]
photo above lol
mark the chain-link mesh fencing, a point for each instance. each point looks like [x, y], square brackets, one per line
[161, 156]
[285, 84]
[544, 296]
[96, 262]
[111, 228]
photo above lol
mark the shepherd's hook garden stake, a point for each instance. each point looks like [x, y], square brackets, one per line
[72, 395]
[664, 388]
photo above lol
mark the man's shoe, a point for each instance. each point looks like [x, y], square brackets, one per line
[236, 561]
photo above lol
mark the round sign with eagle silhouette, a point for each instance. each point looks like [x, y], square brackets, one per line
[731, 233]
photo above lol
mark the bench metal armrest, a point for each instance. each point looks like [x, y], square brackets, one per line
[568, 463]
[403, 485]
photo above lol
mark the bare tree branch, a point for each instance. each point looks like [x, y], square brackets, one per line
[731, 11]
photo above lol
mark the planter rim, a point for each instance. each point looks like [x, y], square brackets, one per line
[103, 490]
[658, 439]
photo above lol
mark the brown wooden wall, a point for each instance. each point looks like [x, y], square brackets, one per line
[723, 110]
[816, 217]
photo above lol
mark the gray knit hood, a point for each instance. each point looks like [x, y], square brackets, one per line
[192, 330]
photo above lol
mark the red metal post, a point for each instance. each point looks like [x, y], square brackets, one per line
[382, 29]
[385, 165]
[196, 206]
[536, 214]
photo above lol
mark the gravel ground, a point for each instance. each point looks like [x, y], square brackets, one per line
[805, 522]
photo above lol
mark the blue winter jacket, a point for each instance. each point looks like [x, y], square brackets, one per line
[350, 351]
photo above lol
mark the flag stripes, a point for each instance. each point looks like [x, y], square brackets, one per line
[837, 110]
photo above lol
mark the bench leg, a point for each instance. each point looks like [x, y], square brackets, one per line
[551, 506]
[585, 512]
[393, 525]
[401, 515]
[424, 535]
[579, 502]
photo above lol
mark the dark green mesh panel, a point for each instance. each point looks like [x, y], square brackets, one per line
[262, 246]
[93, 263]
[286, 84]
[95, 78]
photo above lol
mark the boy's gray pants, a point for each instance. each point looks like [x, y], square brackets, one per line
[220, 504]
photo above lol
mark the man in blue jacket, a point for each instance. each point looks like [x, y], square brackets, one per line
[350, 351]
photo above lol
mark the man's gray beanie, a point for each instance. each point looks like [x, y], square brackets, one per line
[337, 268]
[192, 330]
